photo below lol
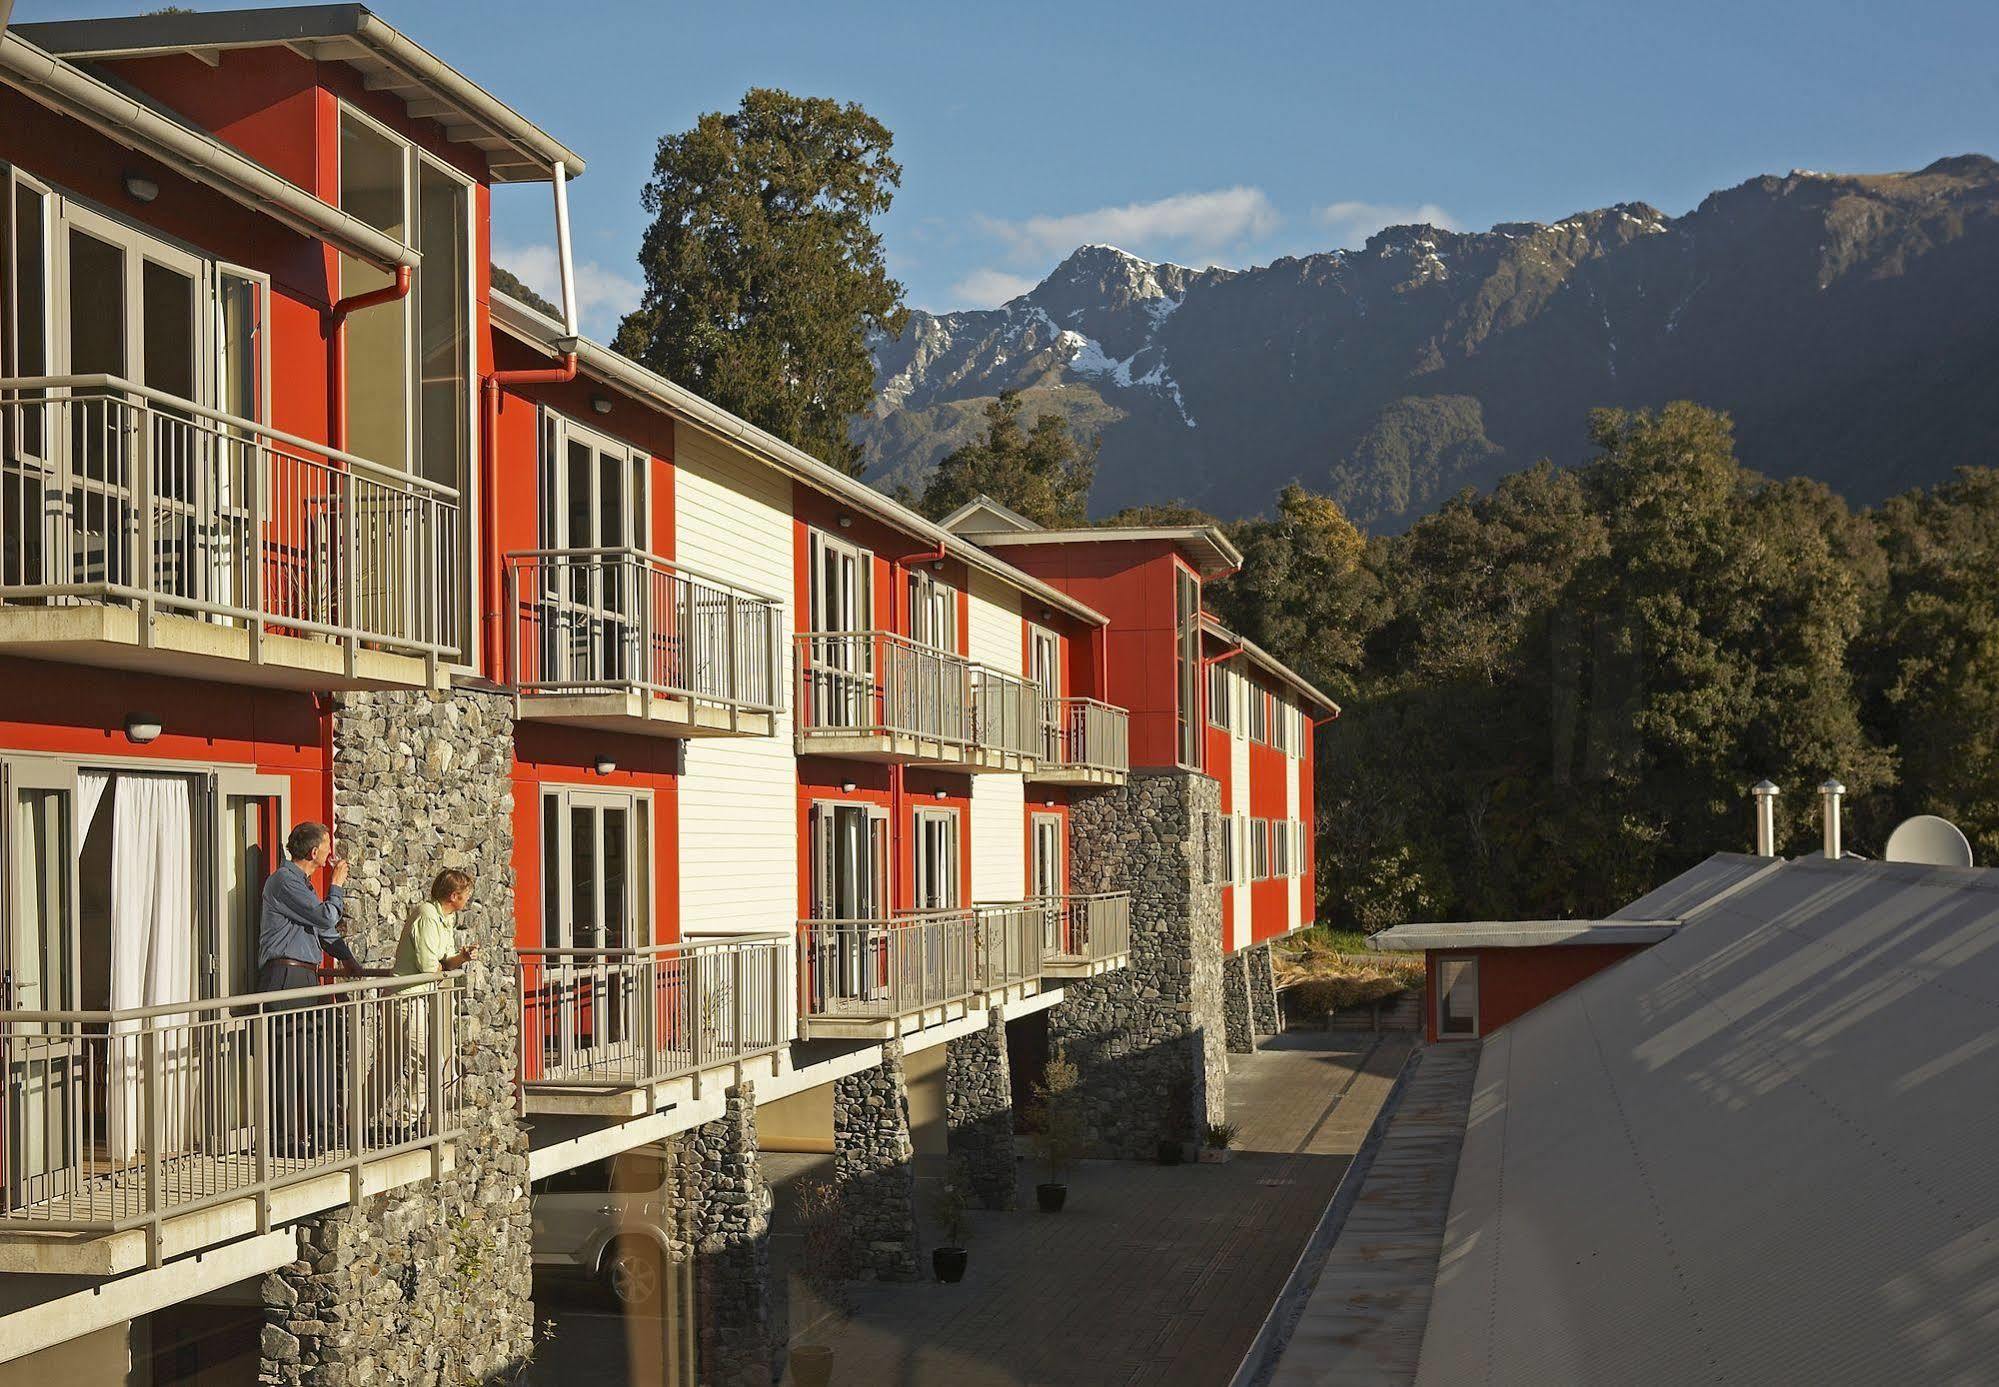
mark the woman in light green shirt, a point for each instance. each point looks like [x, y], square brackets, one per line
[429, 946]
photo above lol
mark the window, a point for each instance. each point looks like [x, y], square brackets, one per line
[1280, 725]
[1259, 714]
[936, 864]
[1219, 688]
[840, 587]
[1046, 869]
[1223, 870]
[1457, 996]
[1259, 849]
[1187, 632]
[409, 361]
[849, 862]
[933, 612]
[596, 863]
[1280, 848]
[1046, 664]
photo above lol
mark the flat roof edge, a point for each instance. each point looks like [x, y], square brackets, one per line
[1520, 934]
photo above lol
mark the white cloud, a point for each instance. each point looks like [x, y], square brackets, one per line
[1191, 225]
[603, 296]
[1353, 222]
[989, 288]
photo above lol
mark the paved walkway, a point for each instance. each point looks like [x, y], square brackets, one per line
[1362, 1325]
[1152, 1274]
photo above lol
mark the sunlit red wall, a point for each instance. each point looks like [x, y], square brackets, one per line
[1512, 982]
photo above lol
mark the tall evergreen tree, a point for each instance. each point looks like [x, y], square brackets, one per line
[1044, 472]
[764, 276]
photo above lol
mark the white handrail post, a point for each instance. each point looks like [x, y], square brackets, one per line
[352, 1074]
[260, 1099]
[435, 1071]
[736, 999]
[145, 580]
[154, 1114]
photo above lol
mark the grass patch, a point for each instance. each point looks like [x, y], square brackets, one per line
[1326, 970]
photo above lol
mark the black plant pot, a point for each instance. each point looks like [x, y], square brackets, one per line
[1051, 1197]
[949, 1264]
[1171, 1153]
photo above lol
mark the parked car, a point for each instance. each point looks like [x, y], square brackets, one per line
[611, 1220]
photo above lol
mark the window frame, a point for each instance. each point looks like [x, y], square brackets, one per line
[641, 860]
[925, 817]
[1439, 1008]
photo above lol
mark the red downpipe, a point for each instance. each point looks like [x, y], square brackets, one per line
[497, 631]
[336, 318]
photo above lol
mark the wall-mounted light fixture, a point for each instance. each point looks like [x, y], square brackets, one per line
[846, 522]
[601, 403]
[140, 188]
[937, 567]
[141, 728]
[846, 787]
[1050, 804]
[605, 765]
[1047, 615]
[940, 794]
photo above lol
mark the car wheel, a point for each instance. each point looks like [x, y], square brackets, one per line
[633, 1272]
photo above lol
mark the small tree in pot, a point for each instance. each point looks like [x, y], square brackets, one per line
[826, 1265]
[1220, 1137]
[1058, 1128]
[950, 1201]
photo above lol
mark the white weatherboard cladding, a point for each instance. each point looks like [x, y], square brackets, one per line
[738, 795]
[1297, 882]
[1239, 908]
[997, 637]
[999, 838]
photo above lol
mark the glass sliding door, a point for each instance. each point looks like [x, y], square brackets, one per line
[841, 660]
[597, 894]
[46, 1075]
[593, 498]
[849, 893]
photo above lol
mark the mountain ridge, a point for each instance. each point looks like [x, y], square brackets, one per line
[1849, 322]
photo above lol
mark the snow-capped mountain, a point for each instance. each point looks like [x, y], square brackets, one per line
[1849, 322]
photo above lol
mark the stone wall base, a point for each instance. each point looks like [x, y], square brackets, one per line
[874, 1166]
[727, 1218]
[978, 1112]
[1235, 1003]
[1264, 1017]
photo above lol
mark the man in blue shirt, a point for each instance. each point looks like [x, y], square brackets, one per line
[295, 928]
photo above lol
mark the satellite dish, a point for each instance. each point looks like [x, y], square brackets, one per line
[1930, 840]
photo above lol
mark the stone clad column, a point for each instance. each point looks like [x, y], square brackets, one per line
[874, 1166]
[429, 1283]
[978, 1111]
[1261, 965]
[1148, 1038]
[729, 1226]
[1235, 1003]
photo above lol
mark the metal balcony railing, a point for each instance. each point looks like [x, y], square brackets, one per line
[121, 1119]
[887, 969]
[1084, 929]
[1006, 714]
[874, 683]
[112, 492]
[623, 620]
[1085, 734]
[625, 1018]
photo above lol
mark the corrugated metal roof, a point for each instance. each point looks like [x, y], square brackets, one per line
[1688, 891]
[1764, 1150]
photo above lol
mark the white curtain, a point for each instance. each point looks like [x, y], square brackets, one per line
[152, 950]
[90, 788]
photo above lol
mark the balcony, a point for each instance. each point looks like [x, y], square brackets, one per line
[1083, 742]
[619, 1032]
[876, 979]
[142, 531]
[623, 640]
[1083, 936]
[876, 696]
[138, 1136]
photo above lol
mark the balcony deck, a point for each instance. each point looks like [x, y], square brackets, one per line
[142, 531]
[621, 640]
[1084, 936]
[619, 1033]
[1085, 742]
[877, 696]
[142, 1135]
[884, 979]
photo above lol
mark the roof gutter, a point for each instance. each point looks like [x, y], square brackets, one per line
[498, 116]
[70, 91]
[712, 419]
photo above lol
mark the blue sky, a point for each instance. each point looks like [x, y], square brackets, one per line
[1224, 134]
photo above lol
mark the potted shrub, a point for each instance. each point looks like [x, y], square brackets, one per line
[826, 1265]
[950, 1201]
[1058, 1129]
[1219, 1137]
